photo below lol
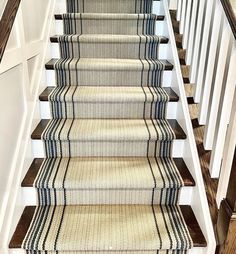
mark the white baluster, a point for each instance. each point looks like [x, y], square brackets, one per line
[215, 37]
[179, 10]
[183, 16]
[204, 54]
[197, 43]
[173, 4]
[193, 23]
[218, 86]
[187, 23]
[219, 142]
[228, 155]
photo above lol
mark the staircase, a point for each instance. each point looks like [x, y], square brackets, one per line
[108, 174]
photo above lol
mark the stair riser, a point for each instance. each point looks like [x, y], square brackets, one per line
[105, 148]
[109, 26]
[94, 197]
[86, 148]
[92, 29]
[109, 110]
[195, 250]
[109, 50]
[93, 78]
[109, 6]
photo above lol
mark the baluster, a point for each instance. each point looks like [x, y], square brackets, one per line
[197, 43]
[173, 4]
[228, 154]
[192, 30]
[204, 54]
[224, 115]
[183, 16]
[221, 67]
[187, 23]
[179, 10]
[216, 35]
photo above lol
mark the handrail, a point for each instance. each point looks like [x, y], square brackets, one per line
[6, 23]
[230, 12]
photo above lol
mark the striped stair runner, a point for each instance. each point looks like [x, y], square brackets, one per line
[108, 183]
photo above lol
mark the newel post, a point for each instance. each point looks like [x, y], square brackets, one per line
[226, 224]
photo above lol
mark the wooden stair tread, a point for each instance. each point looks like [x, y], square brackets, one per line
[173, 96]
[179, 133]
[27, 216]
[185, 69]
[22, 228]
[182, 56]
[50, 65]
[55, 39]
[158, 17]
[36, 164]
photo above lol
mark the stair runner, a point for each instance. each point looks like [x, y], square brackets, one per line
[108, 183]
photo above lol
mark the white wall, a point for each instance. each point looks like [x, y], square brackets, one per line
[21, 80]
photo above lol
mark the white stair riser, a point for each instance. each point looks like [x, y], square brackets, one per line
[38, 148]
[195, 250]
[30, 197]
[166, 80]
[159, 27]
[46, 114]
[157, 7]
[162, 52]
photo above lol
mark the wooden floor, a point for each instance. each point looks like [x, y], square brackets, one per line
[204, 156]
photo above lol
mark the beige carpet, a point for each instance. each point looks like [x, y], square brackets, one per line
[108, 183]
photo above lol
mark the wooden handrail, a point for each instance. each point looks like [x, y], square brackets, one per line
[230, 14]
[6, 23]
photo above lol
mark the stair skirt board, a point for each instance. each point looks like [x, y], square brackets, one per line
[108, 182]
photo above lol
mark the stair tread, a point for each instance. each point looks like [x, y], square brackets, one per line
[101, 213]
[112, 63]
[30, 177]
[111, 16]
[185, 73]
[113, 38]
[110, 93]
[114, 123]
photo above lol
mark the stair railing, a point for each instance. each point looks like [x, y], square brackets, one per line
[209, 31]
[8, 11]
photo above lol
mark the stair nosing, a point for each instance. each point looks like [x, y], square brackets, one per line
[37, 133]
[27, 216]
[51, 64]
[60, 17]
[55, 39]
[46, 92]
